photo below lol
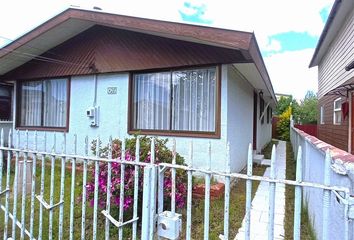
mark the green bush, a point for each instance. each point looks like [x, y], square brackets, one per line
[283, 125]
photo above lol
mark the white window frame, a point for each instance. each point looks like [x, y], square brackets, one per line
[322, 115]
[336, 110]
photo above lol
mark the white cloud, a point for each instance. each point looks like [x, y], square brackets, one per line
[290, 74]
[272, 45]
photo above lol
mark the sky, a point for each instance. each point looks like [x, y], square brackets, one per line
[287, 31]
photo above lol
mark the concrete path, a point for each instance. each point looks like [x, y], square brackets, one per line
[260, 209]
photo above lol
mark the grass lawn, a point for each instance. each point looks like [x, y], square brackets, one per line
[307, 232]
[237, 208]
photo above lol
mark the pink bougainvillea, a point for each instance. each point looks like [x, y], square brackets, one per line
[163, 154]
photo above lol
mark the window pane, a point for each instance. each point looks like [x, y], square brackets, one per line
[55, 103]
[194, 94]
[337, 104]
[152, 100]
[31, 98]
[337, 117]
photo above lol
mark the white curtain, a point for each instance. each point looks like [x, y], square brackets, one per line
[191, 108]
[55, 103]
[31, 98]
[152, 101]
[44, 103]
[194, 99]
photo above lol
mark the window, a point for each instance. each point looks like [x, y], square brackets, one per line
[337, 111]
[175, 101]
[5, 102]
[322, 115]
[43, 104]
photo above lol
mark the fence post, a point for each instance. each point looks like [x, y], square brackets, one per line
[148, 202]
[298, 196]
[326, 196]
[272, 195]
[248, 193]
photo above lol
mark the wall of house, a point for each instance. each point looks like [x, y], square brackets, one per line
[236, 120]
[239, 118]
[113, 120]
[336, 135]
[313, 161]
[331, 72]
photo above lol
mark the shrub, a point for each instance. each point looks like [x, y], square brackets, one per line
[283, 125]
[162, 154]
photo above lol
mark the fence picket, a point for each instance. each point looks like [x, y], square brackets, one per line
[298, 196]
[72, 191]
[121, 191]
[272, 186]
[33, 187]
[84, 191]
[24, 188]
[227, 194]
[207, 196]
[248, 193]
[7, 196]
[109, 186]
[136, 187]
[40, 228]
[95, 198]
[51, 194]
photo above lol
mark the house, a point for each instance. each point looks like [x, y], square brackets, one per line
[93, 73]
[334, 56]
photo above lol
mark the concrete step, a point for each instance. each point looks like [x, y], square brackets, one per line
[265, 162]
[258, 158]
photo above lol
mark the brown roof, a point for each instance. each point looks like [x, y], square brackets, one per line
[72, 22]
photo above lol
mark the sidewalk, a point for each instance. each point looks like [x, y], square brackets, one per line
[259, 207]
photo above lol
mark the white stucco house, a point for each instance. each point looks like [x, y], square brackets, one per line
[93, 73]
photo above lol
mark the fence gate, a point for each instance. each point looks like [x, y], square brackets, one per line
[119, 192]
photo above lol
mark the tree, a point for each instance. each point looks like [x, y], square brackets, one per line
[284, 103]
[308, 111]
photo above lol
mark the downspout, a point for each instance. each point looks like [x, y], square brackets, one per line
[95, 90]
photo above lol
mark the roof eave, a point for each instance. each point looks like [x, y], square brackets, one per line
[315, 58]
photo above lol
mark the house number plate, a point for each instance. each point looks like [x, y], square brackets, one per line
[112, 90]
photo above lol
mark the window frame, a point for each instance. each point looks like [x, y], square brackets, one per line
[42, 128]
[335, 110]
[176, 133]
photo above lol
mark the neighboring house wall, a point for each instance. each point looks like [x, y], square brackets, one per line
[236, 119]
[336, 135]
[331, 72]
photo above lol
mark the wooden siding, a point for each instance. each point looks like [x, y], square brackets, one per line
[331, 72]
[104, 49]
[336, 135]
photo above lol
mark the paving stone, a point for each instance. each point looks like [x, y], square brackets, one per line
[260, 207]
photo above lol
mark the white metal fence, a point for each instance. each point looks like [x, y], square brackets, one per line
[37, 212]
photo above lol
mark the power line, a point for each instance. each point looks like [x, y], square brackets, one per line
[39, 58]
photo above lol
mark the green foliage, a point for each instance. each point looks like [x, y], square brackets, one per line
[283, 125]
[284, 103]
[308, 111]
